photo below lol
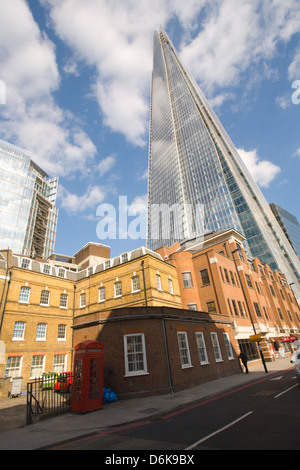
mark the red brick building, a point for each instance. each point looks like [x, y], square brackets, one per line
[216, 276]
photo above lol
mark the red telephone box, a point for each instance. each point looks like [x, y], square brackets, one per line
[87, 388]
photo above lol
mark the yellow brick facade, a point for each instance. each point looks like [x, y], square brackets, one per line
[32, 323]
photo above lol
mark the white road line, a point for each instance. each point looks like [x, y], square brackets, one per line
[285, 391]
[218, 431]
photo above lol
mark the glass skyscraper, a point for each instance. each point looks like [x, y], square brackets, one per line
[289, 224]
[197, 180]
[28, 215]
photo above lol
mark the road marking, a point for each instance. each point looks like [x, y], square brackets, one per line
[285, 391]
[277, 378]
[218, 431]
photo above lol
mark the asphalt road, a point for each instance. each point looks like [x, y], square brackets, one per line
[263, 415]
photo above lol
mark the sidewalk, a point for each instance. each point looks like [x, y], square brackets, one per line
[69, 425]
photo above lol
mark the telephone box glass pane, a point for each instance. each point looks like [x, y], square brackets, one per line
[77, 379]
[94, 388]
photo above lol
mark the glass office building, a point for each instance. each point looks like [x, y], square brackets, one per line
[197, 181]
[28, 215]
[289, 225]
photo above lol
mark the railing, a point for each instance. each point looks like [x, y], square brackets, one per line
[48, 396]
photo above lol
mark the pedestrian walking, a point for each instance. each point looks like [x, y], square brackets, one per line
[244, 358]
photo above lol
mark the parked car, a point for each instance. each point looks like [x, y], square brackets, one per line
[296, 360]
[63, 382]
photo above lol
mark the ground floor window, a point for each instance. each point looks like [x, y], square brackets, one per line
[37, 366]
[135, 354]
[184, 351]
[250, 349]
[13, 366]
[59, 363]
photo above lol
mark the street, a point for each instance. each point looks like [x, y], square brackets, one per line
[262, 415]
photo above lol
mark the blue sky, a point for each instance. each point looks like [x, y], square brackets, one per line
[77, 76]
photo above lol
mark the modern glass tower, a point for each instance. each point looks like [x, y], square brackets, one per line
[197, 181]
[289, 224]
[28, 215]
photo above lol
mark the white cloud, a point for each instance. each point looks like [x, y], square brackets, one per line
[263, 171]
[30, 117]
[77, 204]
[114, 38]
[106, 165]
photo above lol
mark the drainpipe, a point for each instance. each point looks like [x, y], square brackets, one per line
[2, 315]
[143, 268]
[167, 356]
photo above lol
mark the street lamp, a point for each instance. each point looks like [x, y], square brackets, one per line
[249, 311]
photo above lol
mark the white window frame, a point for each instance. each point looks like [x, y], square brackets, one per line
[201, 346]
[228, 346]
[39, 331]
[101, 297]
[45, 297]
[158, 282]
[184, 349]
[118, 289]
[61, 304]
[60, 331]
[58, 366]
[82, 300]
[216, 346]
[22, 330]
[135, 283]
[25, 263]
[144, 370]
[46, 270]
[171, 286]
[26, 296]
[13, 370]
[61, 272]
[188, 281]
[37, 366]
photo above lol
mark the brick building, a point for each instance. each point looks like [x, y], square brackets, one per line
[216, 276]
[131, 303]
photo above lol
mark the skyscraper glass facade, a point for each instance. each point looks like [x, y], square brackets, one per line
[195, 171]
[28, 215]
[289, 225]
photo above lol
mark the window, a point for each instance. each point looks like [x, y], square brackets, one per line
[229, 305]
[25, 263]
[257, 287]
[266, 313]
[135, 283]
[37, 366]
[226, 276]
[107, 264]
[280, 313]
[222, 276]
[211, 307]
[201, 348]
[62, 333]
[19, 331]
[232, 277]
[61, 272]
[82, 300]
[46, 269]
[63, 301]
[184, 349]
[257, 309]
[101, 292]
[13, 366]
[241, 308]
[228, 346]
[158, 282]
[216, 347]
[248, 279]
[281, 293]
[45, 295]
[59, 363]
[187, 279]
[124, 257]
[171, 286]
[272, 290]
[192, 307]
[135, 354]
[24, 295]
[41, 332]
[118, 289]
[205, 277]
[235, 308]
